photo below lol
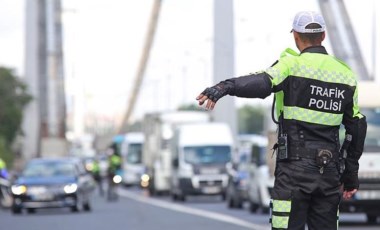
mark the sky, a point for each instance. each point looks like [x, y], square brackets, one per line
[103, 41]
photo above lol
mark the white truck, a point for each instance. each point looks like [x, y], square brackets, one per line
[158, 131]
[367, 199]
[131, 151]
[201, 152]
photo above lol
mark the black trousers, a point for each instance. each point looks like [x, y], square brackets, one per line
[302, 195]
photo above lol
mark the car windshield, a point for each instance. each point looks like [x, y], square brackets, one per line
[207, 154]
[134, 153]
[49, 169]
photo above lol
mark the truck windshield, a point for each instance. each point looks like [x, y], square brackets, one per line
[207, 154]
[372, 141]
[134, 153]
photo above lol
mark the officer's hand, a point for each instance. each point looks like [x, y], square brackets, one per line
[348, 194]
[209, 103]
[211, 95]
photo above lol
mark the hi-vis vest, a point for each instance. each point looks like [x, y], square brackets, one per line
[313, 92]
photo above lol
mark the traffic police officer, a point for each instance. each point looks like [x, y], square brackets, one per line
[314, 94]
[3, 169]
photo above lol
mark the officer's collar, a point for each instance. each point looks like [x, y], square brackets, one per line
[315, 49]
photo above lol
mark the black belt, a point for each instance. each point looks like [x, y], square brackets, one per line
[301, 152]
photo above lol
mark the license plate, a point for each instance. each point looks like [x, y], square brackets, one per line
[367, 195]
[211, 190]
[43, 196]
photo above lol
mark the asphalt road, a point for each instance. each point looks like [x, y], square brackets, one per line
[135, 210]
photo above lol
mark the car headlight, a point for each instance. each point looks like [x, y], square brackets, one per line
[18, 189]
[144, 180]
[70, 188]
[117, 179]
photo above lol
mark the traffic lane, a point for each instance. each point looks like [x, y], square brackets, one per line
[124, 214]
[195, 212]
[215, 204]
[141, 212]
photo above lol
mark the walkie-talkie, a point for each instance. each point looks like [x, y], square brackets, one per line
[282, 147]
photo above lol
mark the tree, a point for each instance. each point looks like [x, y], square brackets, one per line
[189, 107]
[13, 99]
[251, 119]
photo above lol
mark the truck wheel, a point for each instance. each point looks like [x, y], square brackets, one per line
[230, 202]
[253, 207]
[174, 197]
[182, 197]
[87, 206]
[371, 219]
[239, 204]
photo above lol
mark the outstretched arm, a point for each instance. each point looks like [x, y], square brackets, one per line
[250, 86]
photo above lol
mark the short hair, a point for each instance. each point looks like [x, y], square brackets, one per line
[312, 37]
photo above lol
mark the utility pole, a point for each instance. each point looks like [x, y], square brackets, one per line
[44, 122]
[224, 59]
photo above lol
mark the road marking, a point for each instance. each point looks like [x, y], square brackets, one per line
[192, 211]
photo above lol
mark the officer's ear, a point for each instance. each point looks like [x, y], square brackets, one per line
[323, 36]
[297, 39]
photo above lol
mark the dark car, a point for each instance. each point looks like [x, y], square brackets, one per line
[52, 183]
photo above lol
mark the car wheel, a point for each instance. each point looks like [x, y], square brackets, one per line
[265, 210]
[75, 208]
[371, 219]
[230, 202]
[16, 210]
[239, 204]
[31, 210]
[87, 206]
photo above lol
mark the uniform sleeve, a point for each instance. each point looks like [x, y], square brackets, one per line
[251, 86]
[355, 124]
[279, 73]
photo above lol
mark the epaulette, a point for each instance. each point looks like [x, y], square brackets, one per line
[289, 51]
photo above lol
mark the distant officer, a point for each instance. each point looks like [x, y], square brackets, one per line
[114, 168]
[96, 175]
[314, 94]
[3, 169]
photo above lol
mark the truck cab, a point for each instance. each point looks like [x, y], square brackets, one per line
[131, 151]
[201, 152]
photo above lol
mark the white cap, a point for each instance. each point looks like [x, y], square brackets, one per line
[304, 18]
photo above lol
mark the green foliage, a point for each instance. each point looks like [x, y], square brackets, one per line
[251, 119]
[13, 98]
[190, 107]
[5, 152]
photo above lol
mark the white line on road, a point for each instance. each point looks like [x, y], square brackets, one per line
[192, 211]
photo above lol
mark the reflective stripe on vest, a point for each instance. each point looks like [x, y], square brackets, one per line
[318, 68]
